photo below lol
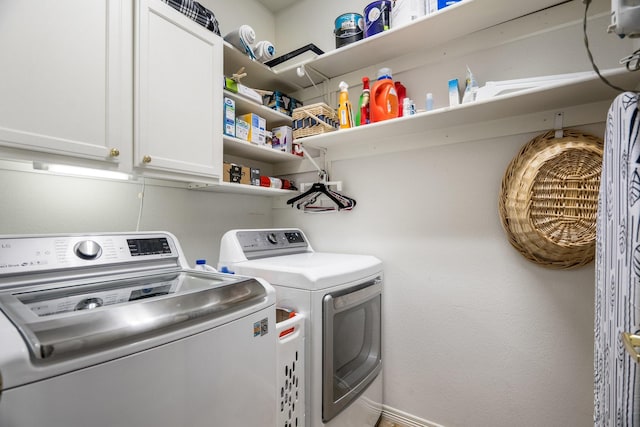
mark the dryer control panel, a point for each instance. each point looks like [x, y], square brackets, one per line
[264, 243]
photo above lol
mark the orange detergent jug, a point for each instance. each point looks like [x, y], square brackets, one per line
[383, 102]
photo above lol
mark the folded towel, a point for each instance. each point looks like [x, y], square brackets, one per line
[197, 12]
[242, 38]
[264, 51]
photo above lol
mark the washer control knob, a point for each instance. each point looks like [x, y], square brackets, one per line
[87, 249]
[272, 238]
[89, 304]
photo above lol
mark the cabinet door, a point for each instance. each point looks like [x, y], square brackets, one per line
[65, 81]
[178, 111]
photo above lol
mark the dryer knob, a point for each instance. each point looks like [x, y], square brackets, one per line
[87, 249]
[272, 238]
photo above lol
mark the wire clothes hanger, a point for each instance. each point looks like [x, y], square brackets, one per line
[319, 192]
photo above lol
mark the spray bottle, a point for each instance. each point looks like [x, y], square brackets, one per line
[362, 115]
[344, 107]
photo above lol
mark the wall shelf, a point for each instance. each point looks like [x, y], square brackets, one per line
[583, 90]
[429, 31]
[259, 76]
[228, 187]
[242, 148]
[244, 105]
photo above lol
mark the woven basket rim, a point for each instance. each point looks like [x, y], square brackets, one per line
[548, 198]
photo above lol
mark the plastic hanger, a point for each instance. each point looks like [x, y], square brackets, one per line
[320, 191]
[306, 200]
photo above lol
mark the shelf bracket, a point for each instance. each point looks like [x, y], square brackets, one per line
[558, 125]
[322, 172]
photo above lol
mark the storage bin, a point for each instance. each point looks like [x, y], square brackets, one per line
[314, 119]
[290, 369]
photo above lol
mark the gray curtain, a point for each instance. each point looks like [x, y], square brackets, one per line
[616, 381]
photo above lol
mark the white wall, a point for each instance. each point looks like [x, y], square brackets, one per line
[231, 15]
[475, 335]
[309, 21]
[40, 203]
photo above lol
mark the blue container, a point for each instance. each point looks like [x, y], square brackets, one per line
[376, 17]
[444, 3]
[349, 28]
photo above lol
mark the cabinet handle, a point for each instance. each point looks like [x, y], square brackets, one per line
[631, 343]
[114, 152]
[146, 159]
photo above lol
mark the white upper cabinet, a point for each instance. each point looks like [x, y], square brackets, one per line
[65, 81]
[178, 96]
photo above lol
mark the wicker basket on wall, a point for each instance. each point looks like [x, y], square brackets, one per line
[549, 199]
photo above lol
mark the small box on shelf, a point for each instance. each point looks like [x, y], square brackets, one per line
[255, 176]
[282, 138]
[237, 174]
[257, 127]
[229, 116]
[242, 129]
[232, 173]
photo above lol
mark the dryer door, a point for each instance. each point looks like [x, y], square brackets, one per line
[351, 344]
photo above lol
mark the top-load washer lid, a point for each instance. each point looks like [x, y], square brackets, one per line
[284, 257]
[71, 319]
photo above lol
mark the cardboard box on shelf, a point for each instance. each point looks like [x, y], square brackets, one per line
[249, 93]
[245, 177]
[229, 117]
[231, 172]
[236, 174]
[255, 176]
[242, 129]
[257, 127]
[268, 138]
[282, 138]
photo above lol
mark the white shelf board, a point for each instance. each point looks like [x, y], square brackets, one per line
[460, 19]
[228, 187]
[259, 76]
[584, 90]
[244, 105]
[241, 148]
[452, 22]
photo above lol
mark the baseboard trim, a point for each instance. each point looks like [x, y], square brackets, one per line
[402, 419]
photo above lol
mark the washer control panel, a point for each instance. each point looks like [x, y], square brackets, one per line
[37, 253]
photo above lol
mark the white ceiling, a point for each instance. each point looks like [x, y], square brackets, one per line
[276, 5]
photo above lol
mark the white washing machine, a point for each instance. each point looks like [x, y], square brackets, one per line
[341, 298]
[115, 330]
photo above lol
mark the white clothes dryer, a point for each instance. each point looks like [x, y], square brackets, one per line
[340, 296]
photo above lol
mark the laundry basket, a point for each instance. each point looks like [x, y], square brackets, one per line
[290, 372]
[314, 119]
